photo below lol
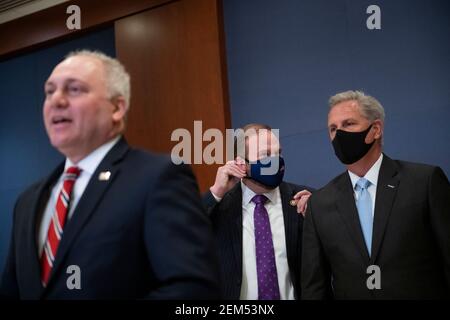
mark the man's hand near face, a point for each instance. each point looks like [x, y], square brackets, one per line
[227, 176]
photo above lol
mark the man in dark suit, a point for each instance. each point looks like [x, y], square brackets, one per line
[111, 222]
[380, 230]
[248, 268]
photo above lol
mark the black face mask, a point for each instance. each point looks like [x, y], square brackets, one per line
[350, 147]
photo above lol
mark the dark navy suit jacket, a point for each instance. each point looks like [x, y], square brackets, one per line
[141, 234]
[226, 216]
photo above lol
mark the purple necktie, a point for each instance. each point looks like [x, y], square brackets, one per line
[265, 256]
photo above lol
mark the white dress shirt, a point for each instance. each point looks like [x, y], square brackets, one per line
[88, 165]
[372, 176]
[249, 287]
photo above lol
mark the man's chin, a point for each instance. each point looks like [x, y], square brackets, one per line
[60, 144]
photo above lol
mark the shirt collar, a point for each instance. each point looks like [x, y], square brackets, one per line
[371, 175]
[90, 163]
[248, 194]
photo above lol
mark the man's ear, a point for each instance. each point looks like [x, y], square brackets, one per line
[378, 129]
[120, 108]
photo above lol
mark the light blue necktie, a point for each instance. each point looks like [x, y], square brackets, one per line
[364, 205]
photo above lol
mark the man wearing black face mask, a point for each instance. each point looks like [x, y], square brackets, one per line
[380, 230]
[255, 221]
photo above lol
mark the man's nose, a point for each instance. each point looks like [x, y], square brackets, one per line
[58, 99]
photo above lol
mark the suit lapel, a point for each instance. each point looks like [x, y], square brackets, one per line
[234, 207]
[91, 197]
[291, 226]
[37, 206]
[347, 209]
[388, 182]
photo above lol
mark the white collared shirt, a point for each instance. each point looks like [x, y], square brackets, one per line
[88, 165]
[372, 176]
[249, 287]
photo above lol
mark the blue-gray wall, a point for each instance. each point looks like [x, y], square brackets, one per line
[25, 152]
[287, 57]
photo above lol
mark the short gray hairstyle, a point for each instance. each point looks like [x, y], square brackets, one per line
[370, 108]
[117, 78]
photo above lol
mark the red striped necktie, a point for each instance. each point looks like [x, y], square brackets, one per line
[55, 229]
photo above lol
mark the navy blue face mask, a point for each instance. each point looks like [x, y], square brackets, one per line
[268, 171]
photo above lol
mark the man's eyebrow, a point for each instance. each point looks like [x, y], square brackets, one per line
[342, 121]
[68, 80]
[73, 80]
[350, 119]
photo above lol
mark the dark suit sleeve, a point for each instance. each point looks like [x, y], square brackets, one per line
[209, 202]
[178, 239]
[310, 189]
[439, 204]
[316, 279]
[8, 285]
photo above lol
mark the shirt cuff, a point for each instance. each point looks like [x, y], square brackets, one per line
[218, 199]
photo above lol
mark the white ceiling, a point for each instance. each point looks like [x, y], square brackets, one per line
[13, 9]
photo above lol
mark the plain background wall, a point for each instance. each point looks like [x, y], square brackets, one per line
[286, 58]
[25, 152]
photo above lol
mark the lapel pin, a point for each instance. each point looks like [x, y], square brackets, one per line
[104, 176]
[391, 186]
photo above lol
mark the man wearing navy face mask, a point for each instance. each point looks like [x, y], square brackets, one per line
[256, 222]
[380, 230]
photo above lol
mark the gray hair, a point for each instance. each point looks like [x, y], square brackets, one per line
[370, 108]
[117, 78]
